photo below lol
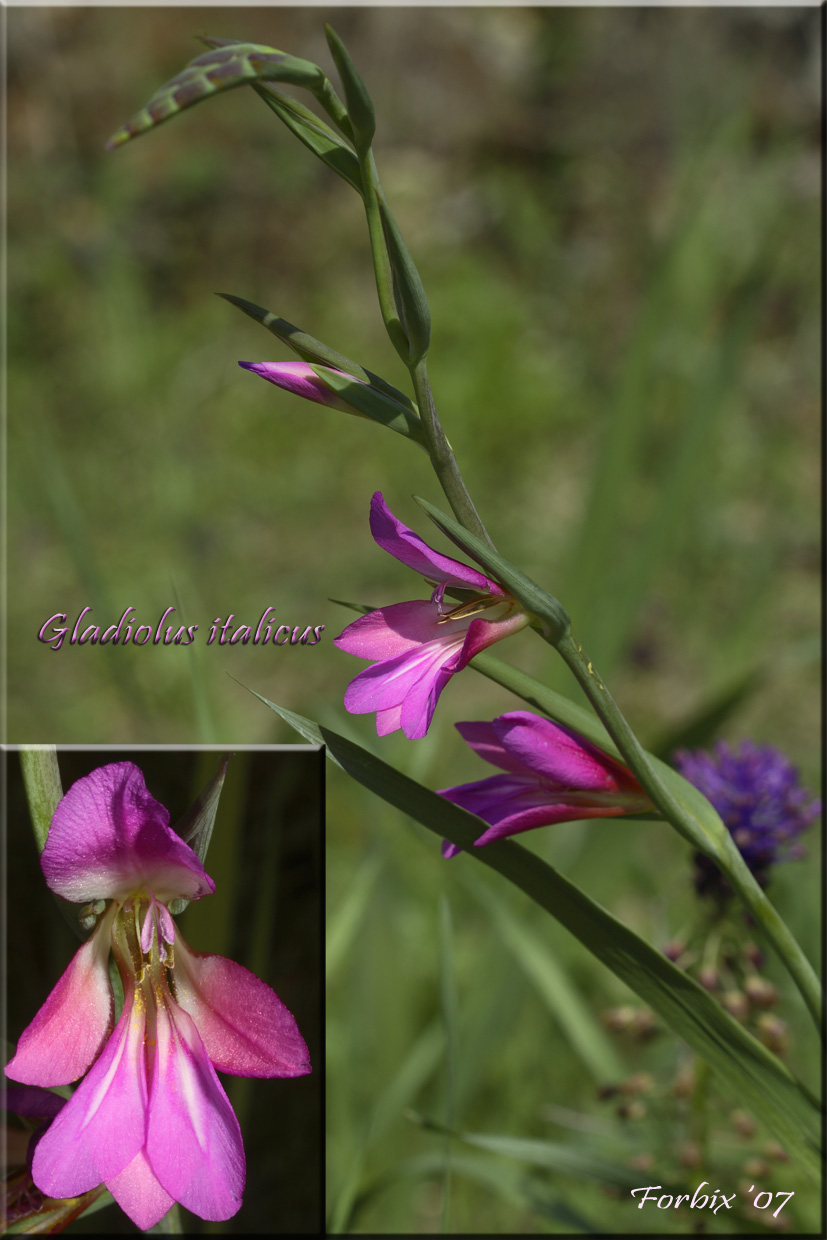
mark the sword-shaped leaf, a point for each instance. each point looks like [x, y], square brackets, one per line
[313, 132]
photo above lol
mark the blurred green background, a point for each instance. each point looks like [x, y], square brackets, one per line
[616, 216]
[265, 859]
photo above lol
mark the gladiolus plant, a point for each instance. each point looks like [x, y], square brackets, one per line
[150, 1119]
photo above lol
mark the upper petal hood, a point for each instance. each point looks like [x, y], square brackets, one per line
[405, 545]
[245, 1027]
[109, 837]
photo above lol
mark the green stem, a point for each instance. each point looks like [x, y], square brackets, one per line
[442, 457]
[723, 851]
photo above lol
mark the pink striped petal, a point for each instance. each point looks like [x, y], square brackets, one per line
[388, 683]
[109, 837]
[298, 378]
[486, 744]
[193, 1140]
[139, 1193]
[68, 1032]
[103, 1125]
[245, 1027]
[395, 630]
[568, 760]
[402, 543]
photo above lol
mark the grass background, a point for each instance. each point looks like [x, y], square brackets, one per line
[615, 214]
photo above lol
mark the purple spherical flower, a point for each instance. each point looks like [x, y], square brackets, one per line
[756, 791]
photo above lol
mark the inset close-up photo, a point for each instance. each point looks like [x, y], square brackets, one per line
[167, 1075]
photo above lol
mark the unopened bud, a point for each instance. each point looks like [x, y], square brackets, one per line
[774, 1033]
[760, 992]
[743, 1123]
[735, 1003]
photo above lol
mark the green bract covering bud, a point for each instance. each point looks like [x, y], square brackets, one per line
[408, 292]
[227, 64]
[359, 103]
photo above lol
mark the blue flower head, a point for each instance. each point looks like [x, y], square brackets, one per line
[756, 791]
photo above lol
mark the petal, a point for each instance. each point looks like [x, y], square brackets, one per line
[301, 380]
[484, 633]
[139, 1193]
[420, 703]
[193, 1138]
[401, 542]
[69, 1031]
[109, 837]
[394, 630]
[103, 1125]
[389, 720]
[387, 684]
[499, 796]
[545, 816]
[560, 755]
[32, 1102]
[245, 1027]
[486, 744]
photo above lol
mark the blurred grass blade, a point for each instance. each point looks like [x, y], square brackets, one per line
[41, 779]
[701, 729]
[414, 1072]
[450, 1019]
[554, 1157]
[522, 1192]
[745, 1068]
[343, 924]
[225, 65]
[314, 133]
[584, 1034]
[312, 350]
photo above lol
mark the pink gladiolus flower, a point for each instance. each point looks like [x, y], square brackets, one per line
[553, 775]
[150, 1120]
[417, 647]
[301, 380]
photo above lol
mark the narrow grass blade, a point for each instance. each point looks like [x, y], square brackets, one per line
[583, 1033]
[547, 1154]
[344, 922]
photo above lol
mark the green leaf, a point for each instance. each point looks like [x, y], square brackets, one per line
[745, 1068]
[227, 64]
[196, 826]
[521, 1191]
[312, 350]
[547, 1154]
[581, 1030]
[314, 133]
[551, 613]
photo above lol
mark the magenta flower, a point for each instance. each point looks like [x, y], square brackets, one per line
[300, 379]
[151, 1120]
[417, 647]
[553, 775]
